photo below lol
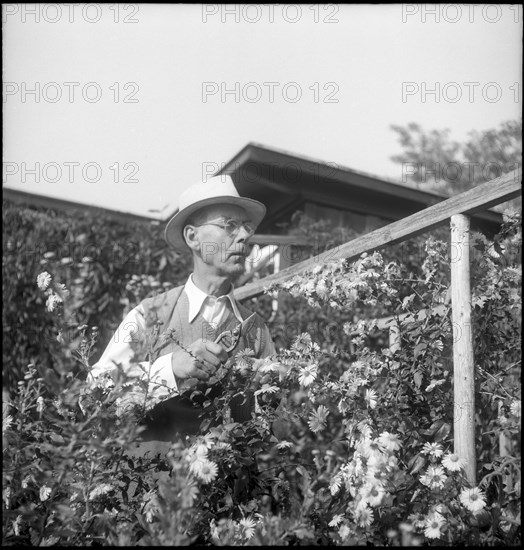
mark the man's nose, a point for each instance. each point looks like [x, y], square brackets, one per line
[243, 234]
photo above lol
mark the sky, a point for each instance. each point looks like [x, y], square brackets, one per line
[126, 105]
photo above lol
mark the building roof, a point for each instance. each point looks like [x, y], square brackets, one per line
[43, 201]
[284, 181]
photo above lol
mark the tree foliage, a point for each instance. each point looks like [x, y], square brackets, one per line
[432, 160]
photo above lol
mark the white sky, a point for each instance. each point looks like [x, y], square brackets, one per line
[363, 58]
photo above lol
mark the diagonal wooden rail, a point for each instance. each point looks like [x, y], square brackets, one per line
[474, 200]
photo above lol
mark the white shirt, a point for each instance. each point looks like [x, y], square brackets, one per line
[132, 330]
[213, 308]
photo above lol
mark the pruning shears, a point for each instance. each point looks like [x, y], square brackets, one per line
[230, 338]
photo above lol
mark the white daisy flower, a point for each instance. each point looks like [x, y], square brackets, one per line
[267, 388]
[302, 342]
[372, 449]
[17, 524]
[418, 521]
[43, 280]
[199, 449]
[389, 441]
[433, 525]
[433, 449]
[45, 491]
[335, 484]
[344, 532]
[337, 518]
[6, 423]
[364, 517]
[53, 302]
[27, 479]
[453, 462]
[373, 494]
[207, 470]
[317, 420]
[40, 405]
[248, 526]
[100, 490]
[434, 477]
[515, 408]
[473, 499]
[308, 374]
[284, 445]
[371, 398]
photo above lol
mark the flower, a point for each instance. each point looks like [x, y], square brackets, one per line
[364, 517]
[433, 525]
[308, 374]
[371, 398]
[337, 518]
[40, 405]
[417, 520]
[389, 441]
[335, 484]
[27, 479]
[17, 524]
[205, 469]
[317, 419]
[188, 495]
[53, 302]
[372, 449]
[284, 445]
[302, 343]
[6, 422]
[344, 532]
[473, 499]
[434, 477]
[373, 494]
[248, 525]
[267, 388]
[43, 280]
[453, 462]
[515, 408]
[433, 449]
[45, 491]
[199, 450]
[100, 490]
[243, 358]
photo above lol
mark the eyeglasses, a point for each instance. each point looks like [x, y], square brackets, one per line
[232, 227]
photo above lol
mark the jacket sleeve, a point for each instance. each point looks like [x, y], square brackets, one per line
[127, 350]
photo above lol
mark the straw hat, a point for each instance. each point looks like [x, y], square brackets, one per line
[217, 190]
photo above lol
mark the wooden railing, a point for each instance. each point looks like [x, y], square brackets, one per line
[454, 210]
[479, 198]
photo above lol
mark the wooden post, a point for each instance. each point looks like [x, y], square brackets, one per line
[463, 363]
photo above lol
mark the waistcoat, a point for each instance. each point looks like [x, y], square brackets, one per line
[170, 310]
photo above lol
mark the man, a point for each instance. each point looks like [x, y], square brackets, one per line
[215, 223]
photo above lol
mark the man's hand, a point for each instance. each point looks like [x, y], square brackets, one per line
[205, 358]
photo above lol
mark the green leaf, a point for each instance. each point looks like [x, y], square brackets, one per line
[419, 348]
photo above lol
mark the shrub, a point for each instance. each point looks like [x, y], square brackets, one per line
[347, 447]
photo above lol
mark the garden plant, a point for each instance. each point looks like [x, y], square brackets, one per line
[352, 440]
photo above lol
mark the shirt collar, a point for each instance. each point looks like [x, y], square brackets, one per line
[197, 297]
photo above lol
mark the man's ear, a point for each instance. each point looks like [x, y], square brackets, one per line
[191, 237]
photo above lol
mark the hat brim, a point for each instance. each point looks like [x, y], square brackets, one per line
[255, 211]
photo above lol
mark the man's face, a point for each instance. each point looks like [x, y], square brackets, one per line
[226, 253]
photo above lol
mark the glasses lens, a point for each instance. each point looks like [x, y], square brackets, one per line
[233, 227]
